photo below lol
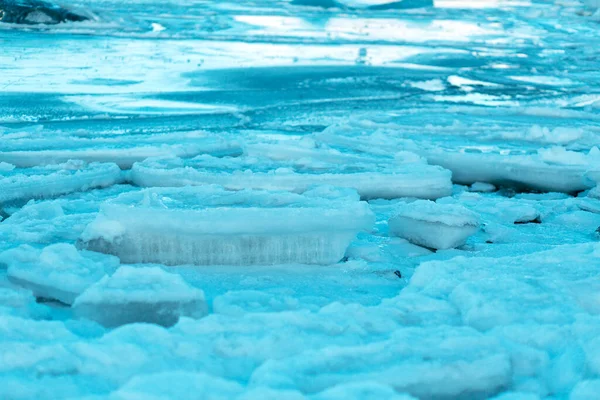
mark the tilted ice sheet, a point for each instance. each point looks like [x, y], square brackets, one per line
[38, 146]
[132, 294]
[23, 184]
[211, 225]
[392, 179]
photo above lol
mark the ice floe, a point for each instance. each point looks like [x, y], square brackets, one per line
[437, 226]
[140, 295]
[210, 225]
[384, 180]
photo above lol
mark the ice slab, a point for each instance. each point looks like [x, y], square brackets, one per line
[437, 226]
[552, 169]
[19, 185]
[385, 180]
[146, 294]
[36, 147]
[209, 225]
[59, 271]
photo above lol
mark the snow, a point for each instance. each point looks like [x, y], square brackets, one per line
[53, 180]
[140, 295]
[209, 225]
[437, 226]
[371, 181]
[58, 271]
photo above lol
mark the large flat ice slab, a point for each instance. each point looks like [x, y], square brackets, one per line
[36, 147]
[391, 179]
[59, 272]
[437, 226]
[209, 225]
[140, 295]
[22, 184]
[551, 169]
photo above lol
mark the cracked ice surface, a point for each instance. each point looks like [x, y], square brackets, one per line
[242, 200]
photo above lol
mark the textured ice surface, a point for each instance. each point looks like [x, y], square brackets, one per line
[140, 295]
[437, 226]
[59, 271]
[38, 146]
[24, 184]
[385, 180]
[210, 225]
[503, 92]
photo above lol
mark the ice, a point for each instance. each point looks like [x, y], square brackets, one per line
[38, 147]
[437, 226]
[21, 185]
[483, 187]
[58, 272]
[209, 225]
[140, 295]
[387, 180]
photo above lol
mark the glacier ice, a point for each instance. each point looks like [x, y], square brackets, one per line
[389, 180]
[59, 271]
[437, 226]
[140, 295]
[208, 225]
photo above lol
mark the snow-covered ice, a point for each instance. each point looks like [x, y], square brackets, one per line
[208, 225]
[140, 295]
[312, 272]
[388, 180]
[59, 271]
[437, 226]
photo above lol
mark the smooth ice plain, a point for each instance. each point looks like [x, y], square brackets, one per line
[300, 199]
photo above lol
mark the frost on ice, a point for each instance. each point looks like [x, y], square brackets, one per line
[208, 225]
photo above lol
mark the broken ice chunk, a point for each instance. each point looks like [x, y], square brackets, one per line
[140, 295]
[433, 225]
[392, 179]
[209, 225]
[53, 180]
[483, 187]
[59, 272]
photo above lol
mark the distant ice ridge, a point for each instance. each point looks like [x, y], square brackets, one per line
[390, 179]
[58, 272]
[437, 226]
[140, 295]
[18, 184]
[211, 225]
[366, 4]
[36, 147]
[553, 169]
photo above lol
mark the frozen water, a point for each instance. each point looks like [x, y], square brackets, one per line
[24, 184]
[34, 147]
[209, 225]
[393, 100]
[388, 180]
[437, 226]
[140, 295]
[59, 271]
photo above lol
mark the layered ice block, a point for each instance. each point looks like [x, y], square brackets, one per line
[147, 294]
[37, 148]
[22, 184]
[437, 226]
[391, 179]
[210, 225]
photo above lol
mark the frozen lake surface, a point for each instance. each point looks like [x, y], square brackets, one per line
[300, 199]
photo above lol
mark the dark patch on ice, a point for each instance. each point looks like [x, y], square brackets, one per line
[398, 274]
[33, 12]
[51, 302]
[536, 220]
[105, 82]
